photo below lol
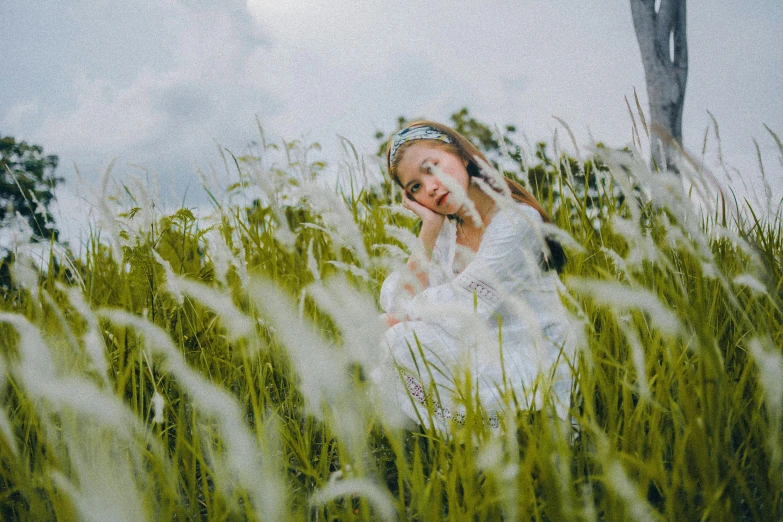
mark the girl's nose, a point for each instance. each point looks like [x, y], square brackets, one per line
[432, 186]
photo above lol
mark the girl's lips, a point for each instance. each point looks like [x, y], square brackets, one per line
[442, 199]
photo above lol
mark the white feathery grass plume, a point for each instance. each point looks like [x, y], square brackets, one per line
[498, 181]
[40, 209]
[240, 259]
[158, 403]
[283, 232]
[25, 274]
[588, 506]
[620, 172]
[6, 430]
[550, 370]
[490, 455]
[238, 325]
[377, 497]
[301, 303]
[105, 218]
[321, 368]
[171, 284]
[262, 483]
[740, 242]
[316, 226]
[337, 217]
[324, 371]
[312, 264]
[619, 481]
[66, 334]
[642, 246]
[356, 317]
[617, 260]
[400, 210]
[710, 271]
[571, 136]
[676, 238]
[404, 236]
[637, 357]
[219, 253]
[666, 190]
[17, 233]
[145, 198]
[32, 348]
[502, 199]
[457, 193]
[351, 269]
[93, 341]
[578, 323]
[104, 484]
[751, 283]
[770, 364]
[390, 253]
[705, 189]
[565, 239]
[36, 370]
[504, 464]
[622, 297]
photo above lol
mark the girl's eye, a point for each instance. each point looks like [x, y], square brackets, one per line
[414, 188]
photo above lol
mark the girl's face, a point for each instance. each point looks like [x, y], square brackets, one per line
[420, 183]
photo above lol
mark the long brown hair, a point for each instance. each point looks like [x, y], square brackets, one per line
[461, 147]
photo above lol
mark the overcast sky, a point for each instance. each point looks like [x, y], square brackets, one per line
[158, 83]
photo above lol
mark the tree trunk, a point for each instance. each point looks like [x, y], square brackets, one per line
[664, 48]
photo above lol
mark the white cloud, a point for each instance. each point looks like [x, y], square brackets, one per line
[106, 118]
[20, 113]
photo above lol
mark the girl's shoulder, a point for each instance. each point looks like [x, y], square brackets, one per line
[517, 218]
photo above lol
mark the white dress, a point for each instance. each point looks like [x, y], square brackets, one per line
[459, 319]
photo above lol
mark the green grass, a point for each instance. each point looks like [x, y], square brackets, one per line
[256, 341]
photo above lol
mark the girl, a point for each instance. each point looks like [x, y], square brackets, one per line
[485, 270]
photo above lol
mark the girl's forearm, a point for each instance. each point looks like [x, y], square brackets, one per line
[430, 229]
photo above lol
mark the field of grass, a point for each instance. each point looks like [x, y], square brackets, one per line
[211, 367]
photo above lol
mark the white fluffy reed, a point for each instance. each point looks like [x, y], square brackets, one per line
[458, 194]
[336, 217]
[265, 488]
[770, 364]
[356, 487]
[622, 298]
[637, 356]
[5, 426]
[237, 324]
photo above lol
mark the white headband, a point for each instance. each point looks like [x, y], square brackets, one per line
[416, 132]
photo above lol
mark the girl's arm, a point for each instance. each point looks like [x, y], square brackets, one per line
[506, 263]
[431, 223]
[402, 285]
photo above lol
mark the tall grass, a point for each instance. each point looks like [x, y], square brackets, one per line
[214, 368]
